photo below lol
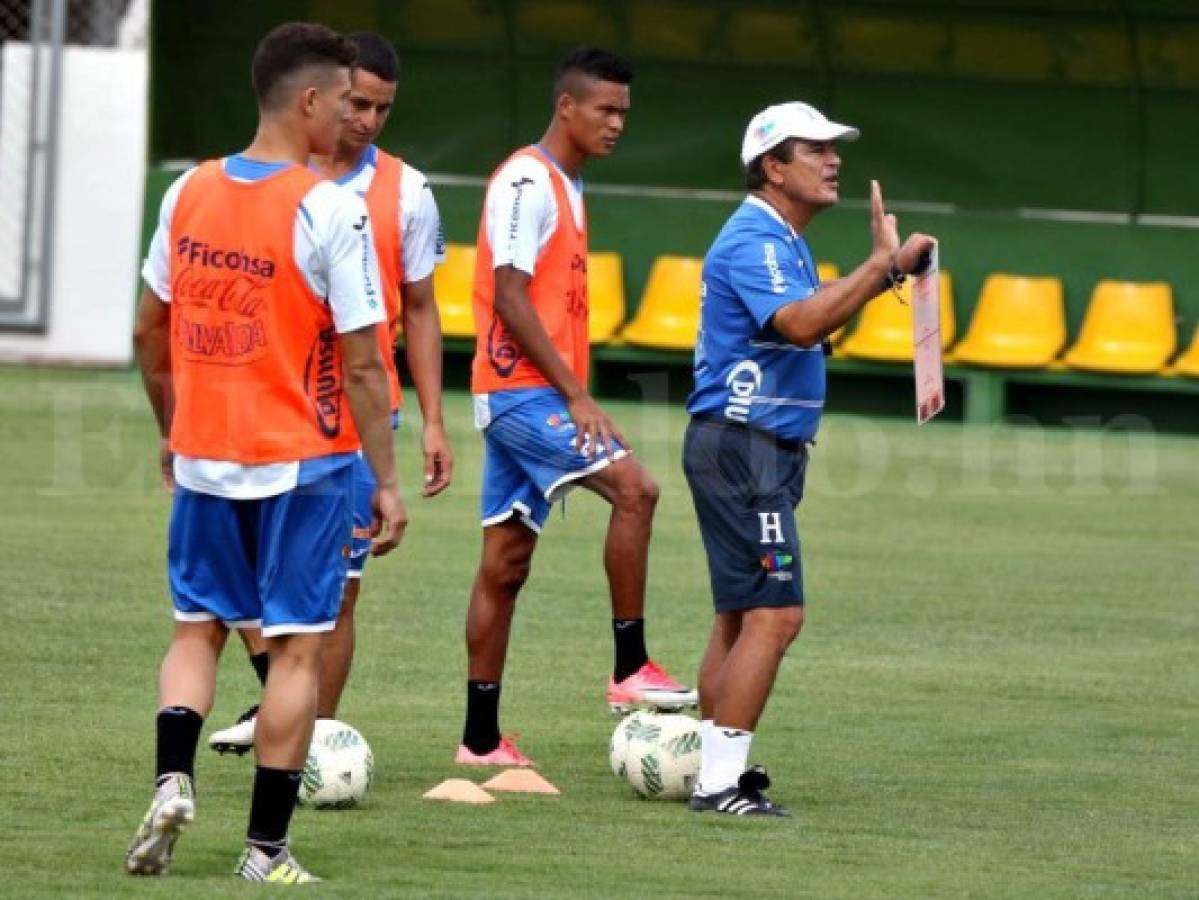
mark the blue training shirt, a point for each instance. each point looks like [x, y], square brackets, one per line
[745, 371]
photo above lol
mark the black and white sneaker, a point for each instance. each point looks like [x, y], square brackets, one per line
[238, 738]
[745, 798]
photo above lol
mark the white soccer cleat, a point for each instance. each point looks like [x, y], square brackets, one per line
[283, 868]
[171, 811]
[237, 738]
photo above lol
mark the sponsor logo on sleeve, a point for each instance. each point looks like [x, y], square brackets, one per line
[770, 258]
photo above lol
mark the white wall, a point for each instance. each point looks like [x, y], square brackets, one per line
[98, 211]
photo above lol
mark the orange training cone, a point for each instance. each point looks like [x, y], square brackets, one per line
[520, 781]
[459, 790]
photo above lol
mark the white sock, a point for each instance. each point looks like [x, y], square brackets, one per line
[724, 756]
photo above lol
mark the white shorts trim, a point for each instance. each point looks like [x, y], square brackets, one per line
[518, 508]
[181, 616]
[298, 628]
[564, 484]
[353, 574]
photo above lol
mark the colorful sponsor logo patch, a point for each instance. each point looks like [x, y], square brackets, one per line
[776, 562]
[559, 420]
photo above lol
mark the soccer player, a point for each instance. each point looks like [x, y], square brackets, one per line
[542, 432]
[759, 391]
[409, 241]
[257, 342]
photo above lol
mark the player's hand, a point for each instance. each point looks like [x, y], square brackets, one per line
[909, 257]
[389, 519]
[439, 461]
[166, 465]
[883, 227]
[593, 428]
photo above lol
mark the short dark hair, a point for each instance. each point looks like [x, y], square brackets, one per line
[755, 175]
[589, 62]
[376, 55]
[291, 47]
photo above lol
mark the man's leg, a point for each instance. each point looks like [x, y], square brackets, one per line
[744, 681]
[186, 687]
[239, 737]
[255, 645]
[507, 554]
[338, 653]
[633, 494]
[725, 628]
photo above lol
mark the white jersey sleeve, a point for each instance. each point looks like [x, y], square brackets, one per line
[521, 215]
[423, 241]
[336, 251]
[156, 269]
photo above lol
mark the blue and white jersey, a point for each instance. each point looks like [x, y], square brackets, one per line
[745, 371]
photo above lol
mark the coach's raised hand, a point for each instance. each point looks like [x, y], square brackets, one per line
[884, 228]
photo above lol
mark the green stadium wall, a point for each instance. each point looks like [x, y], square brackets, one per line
[983, 108]
[1066, 104]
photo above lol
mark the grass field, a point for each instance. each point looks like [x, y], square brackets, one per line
[996, 694]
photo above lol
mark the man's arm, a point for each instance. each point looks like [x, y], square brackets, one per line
[422, 348]
[152, 343]
[370, 401]
[512, 304]
[809, 321]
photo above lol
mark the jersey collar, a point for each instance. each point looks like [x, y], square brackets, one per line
[771, 211]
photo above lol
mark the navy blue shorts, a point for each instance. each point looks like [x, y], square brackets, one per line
[745, 485]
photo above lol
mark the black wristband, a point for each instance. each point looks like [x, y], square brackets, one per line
[893, 279]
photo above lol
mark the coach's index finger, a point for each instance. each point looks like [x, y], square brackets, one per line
[876, 200]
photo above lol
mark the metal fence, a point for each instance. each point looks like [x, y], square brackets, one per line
[33, 34]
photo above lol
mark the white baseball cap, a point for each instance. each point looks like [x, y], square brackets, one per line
[775, 124]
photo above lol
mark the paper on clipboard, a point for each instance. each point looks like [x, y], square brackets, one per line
[926, 342]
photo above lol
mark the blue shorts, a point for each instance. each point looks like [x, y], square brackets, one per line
[277, 562]
[745, 485]
[529, 461]
[364, 490]
[360, 542]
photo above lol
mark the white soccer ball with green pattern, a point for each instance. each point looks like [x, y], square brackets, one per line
[662, 758]
[618, 747]
[339, 769]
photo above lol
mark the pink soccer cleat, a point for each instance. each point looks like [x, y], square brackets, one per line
[650, 687]
[505, 754]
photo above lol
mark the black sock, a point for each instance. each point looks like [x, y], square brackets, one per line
[631, 655]
[275, 792]
[178, 734]
[261, 663]
[482, 731]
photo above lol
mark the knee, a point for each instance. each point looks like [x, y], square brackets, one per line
[504, 575]
[638, 495]
[778, 627]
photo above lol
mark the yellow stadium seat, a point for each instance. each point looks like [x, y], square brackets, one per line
[605, 295]
[884, 329]
[453, 286]
[668, 316]
[1128, 328]
[829, 272]
[1019, 323]
[1188, 363]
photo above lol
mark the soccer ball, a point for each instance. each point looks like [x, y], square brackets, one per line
[663, 755]
[339, 768]
[618, 747]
